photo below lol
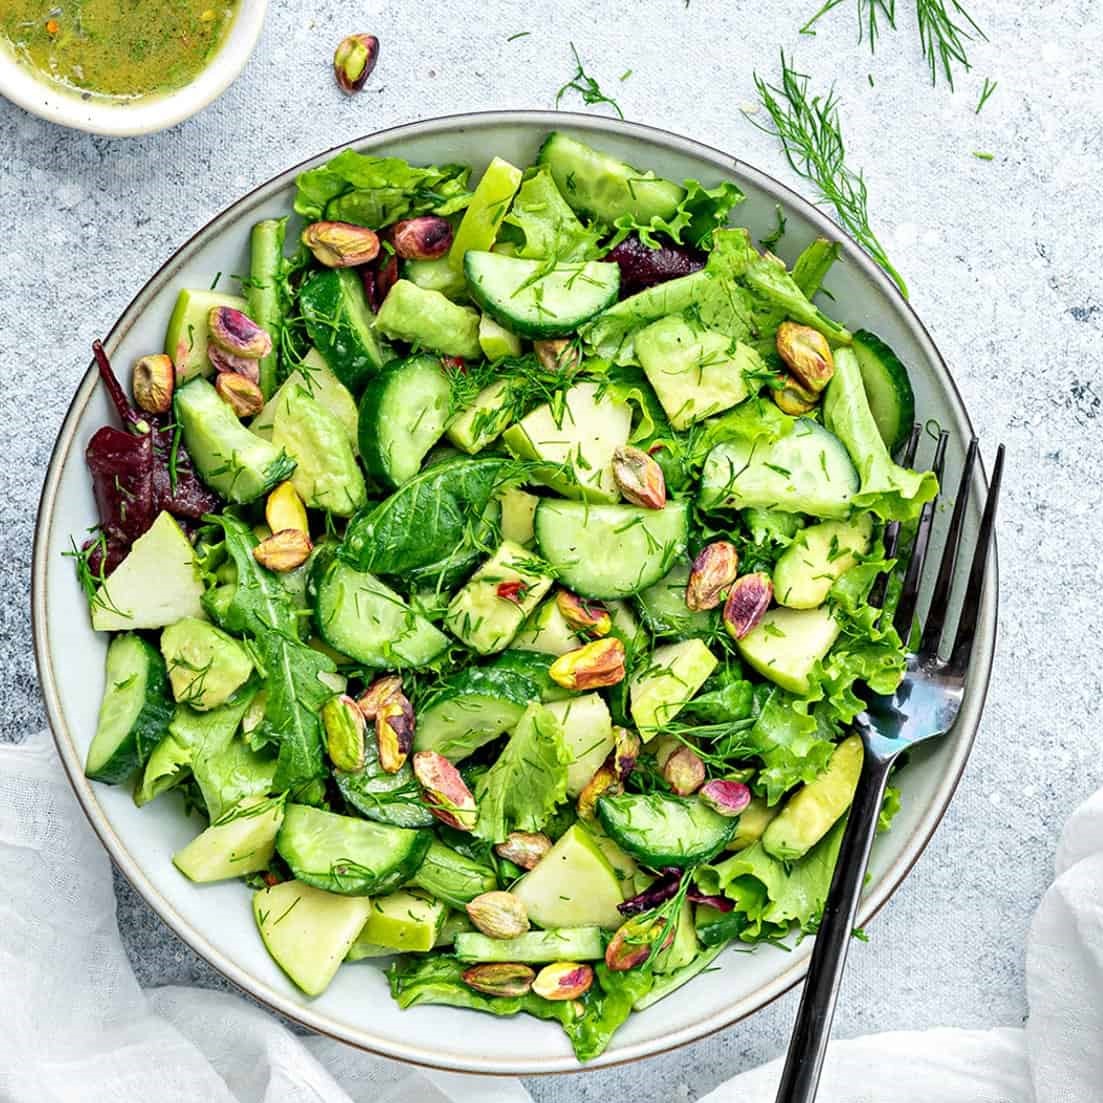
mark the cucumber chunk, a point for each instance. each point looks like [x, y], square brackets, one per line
[664, 610]
[573, 885]
[659, 829]
[307, 931]
[673, 674]
[547, 632]
[816, 806]
[518, 513]
[576, 441]
[135, 712]
[365, 619]
[496, 341]
[807, 471]
[787, 643]
[536, 300]
[587, 735]
[610, 551]
[562, 944]
[188, 332]
[436, 275]
[243, 841]
[403, 413]
[348, 856]
[888, 388]
[341, 326]
[383, 797]
[237, 464]
[478, 426]
[453, 877]
[488, 611]
[156, 584]
[818, 556]
[402, 922]
[428, 319]
[489, 202]
[605, 187]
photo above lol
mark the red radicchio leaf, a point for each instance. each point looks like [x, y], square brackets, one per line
[720, 903]
[658, 892]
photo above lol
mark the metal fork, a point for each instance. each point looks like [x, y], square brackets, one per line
[924, 705]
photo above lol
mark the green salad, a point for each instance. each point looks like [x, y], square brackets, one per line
[491, 573]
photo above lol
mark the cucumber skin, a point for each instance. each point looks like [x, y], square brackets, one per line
[149, 727]
[614, 822]
[574, 944]
[450, 876]
[897, 375]
[324, 306]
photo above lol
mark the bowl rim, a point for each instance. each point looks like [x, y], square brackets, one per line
[144, 114]
[305, 1015]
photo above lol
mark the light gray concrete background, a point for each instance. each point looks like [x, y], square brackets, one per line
[1003, 260]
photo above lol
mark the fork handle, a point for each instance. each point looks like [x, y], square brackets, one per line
[800, 1078]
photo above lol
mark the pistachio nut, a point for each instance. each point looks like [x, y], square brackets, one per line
[790, 399]
[523, 848]
[563, 980]
[713, 571]
[344, 726]
[153, 382]
[446, 793]
[729, 798]
[634, 940]
[500, 978]
[639, 478]
[242, 395]
[684, 771]
[353, 61]
[426, 237]
[284, 509]
[235, 332]
[498, 914]
[283, 551]
[806, 354]
[371, 700]
[604, 781]
[748, 600]
[394, 732]
[588, 617]
[595, 664]
[341, 244]
[626, 753]
[225, 362]
[558, 354]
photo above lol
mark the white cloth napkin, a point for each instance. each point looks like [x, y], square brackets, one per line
[76, 1028]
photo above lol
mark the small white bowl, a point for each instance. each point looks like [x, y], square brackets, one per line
[144, 115]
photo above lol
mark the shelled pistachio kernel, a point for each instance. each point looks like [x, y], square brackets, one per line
[626, 753]
[427, 237]
[226, 362]
[499, 978]
[604, 781]
[371, 700]
[341, 244]
[595, 664]
[748, 600]
[498, 914]
[353, 61]
[283, 551]
[633, 941]
[790, 399]
[153, 383]
[446, 793]
[684, 771]
[639, 477]
[713, 571]
[563, 980]
[583, 615]
[235, 332]
[806, 354]
[284, 509]
[523, 848]
[394, 732]
[345, 729]
[558, 354]
[729, 798]
[242, 395]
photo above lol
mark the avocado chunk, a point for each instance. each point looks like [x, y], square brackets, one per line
[518, 515]
[573, 885]
[428, 319]
[243, 841]
[156, 584]
[326, 473]
[489, 202]
[696, 373]
[753, 820]
[547, 632]
[787, 643]
[496, 341]
[188, 332]
[401, 922]
[587, 735]
[323, 386]
[237, 464]
[205, 665]
[307, 931]
[436, 275]
[478, 426]
[489, 610]
[564, 944]
[817, 558]
[577, 443]
[675, 672]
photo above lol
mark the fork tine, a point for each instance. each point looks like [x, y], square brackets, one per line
[970, 606]
[891, 538]
[940, 598]
[909, 593]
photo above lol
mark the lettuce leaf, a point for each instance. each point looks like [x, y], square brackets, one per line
[774, 895]
[546, 225]
[889, 807]
[606, 1007]
[520, 791]
[376, 191]
[793, 744]
[889, 490]
[768, 277]
[701, 212]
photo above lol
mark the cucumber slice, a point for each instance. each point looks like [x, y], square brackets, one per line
[808, 471]
[610, 551]
[243, 841]
[452, 877]
[429, 320]
[787, 643]
[664, 610]
[489, 202]
[538, 300]
[604, 187]
[888, 388]
[402, 415]
[340, 324]
[383, 797]
[673, 674]
[658, 829]
[366, 620]
[188, 333]
[135, 712]
[308, 932]
[401, 922]
[818, 556]
[562, 944]
[348, 856]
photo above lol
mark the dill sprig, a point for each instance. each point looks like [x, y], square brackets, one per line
[944, 29]
[868, 11]
[986, 94]
[587, 87]
[811, 136]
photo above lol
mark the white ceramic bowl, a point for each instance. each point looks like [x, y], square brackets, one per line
[216, 920]
[125, 118]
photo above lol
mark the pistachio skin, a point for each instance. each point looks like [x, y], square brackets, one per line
[639, 478]
[748, 600]
[713, 571]
[226, 363]
[500, 978]
[153, 383]
[382, 689]
[242, 395]
[595, 664]
[523, 848]
[626, 753]
[235, 332]
[604, 781]
[632, 944]
[341, 244]
[589, 617]
[353, 61]
[806, 354]
[426, 237]
[283, 551]
[684, 771]
[394, 732]
[729, 798]
[446, 793]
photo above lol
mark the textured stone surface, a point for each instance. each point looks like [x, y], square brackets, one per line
[1002, 258]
